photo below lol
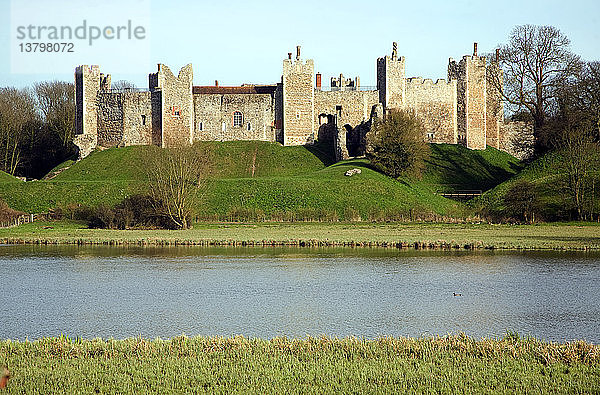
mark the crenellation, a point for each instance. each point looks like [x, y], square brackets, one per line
[462, 109]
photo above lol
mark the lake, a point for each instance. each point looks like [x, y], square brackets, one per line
[266, 292]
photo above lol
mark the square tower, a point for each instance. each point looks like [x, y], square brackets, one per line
[298, 100]
[173, 116]
[88, 83]
[391, 81]
[470, 74]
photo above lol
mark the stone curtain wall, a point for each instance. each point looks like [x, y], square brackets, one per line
[110, 119]
[356, 106]
[137, 118]
[298, 102]
[435, 105]
[176, 106]
[87, 85]
[517, 139]
[215, 112]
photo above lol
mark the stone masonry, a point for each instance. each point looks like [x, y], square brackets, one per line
[464, 109]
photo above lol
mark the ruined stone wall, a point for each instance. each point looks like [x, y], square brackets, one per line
[517, 138]
[350, 107]
[87, 85]
[278, 103]
[110, 119]
[435, 105]
[177, 105]
[213, 117]
[137, 118]
[391, 82]
[298, 102]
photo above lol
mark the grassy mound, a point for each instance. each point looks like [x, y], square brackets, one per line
[454, 167]
[546, 174]
[5, 177]
[253, 180]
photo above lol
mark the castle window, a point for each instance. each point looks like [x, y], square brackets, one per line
[430, 136]
[249, 127]
[297, 114]
[237, 118]
[175, 111]
[143, 119]
[200, 126]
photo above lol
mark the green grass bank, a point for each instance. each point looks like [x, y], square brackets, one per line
[450, 364]
[262, 181]
[554, 236]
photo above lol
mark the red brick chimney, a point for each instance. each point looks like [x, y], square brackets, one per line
[474, 49]
[289, 55]
[216, 83]
[318, 81]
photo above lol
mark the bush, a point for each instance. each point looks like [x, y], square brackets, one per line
[134, 211]
[396, 145]
[521, 201]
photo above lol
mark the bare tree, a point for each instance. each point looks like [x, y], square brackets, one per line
[580, 160]
[536, 62]
[17, 114]
[123, 85]
[56, 100]
[177, 178]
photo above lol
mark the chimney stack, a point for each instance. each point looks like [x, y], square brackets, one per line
[474, 49]
[318, 81]
[216, 82]
[497, 54]
[297, 52]
[289, 55]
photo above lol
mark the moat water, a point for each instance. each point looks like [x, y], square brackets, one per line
[164, 292]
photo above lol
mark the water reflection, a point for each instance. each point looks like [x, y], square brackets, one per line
[266, 292]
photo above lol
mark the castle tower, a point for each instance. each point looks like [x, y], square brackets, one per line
[494, 108]
[471, 99]
[88, 82]
[172, 106]
[298, 100]
[391, 81]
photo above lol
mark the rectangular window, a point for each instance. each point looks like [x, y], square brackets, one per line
[143, 119]
[175, 111]
[200, 126]
[249, 127]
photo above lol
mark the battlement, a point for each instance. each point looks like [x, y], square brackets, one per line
[428, 81]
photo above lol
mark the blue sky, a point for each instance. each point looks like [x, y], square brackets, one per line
[245, 42]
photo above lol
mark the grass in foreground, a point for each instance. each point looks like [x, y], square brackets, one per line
[450, 364]
[576, 236]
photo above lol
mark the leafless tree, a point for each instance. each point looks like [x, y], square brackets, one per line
[17, 114]
[123, 85]
[177, 179]
[536, 62]
[56, 101]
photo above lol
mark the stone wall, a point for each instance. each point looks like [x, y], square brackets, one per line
[110, 119]
[213, 117]
[137, 118]
[350, 107]
[87, 85]
[391, 82]
[435, 105]
[298, 101]
[517, 138]
[177, 104]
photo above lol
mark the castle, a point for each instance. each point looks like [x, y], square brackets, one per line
[464, 109]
